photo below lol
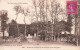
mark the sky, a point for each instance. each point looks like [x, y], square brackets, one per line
[7, 5]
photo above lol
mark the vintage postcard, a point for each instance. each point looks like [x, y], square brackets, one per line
[39, 24]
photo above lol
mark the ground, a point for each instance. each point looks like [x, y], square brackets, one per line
[37, 44]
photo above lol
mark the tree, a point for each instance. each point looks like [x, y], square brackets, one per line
[41, 10]
[36, 5]
[55, 11]
[78, 19]
[25, 13]
[13, 29]
[4, 20]
[69, 23]
[35, 8]
[44, 10]
[18, 10]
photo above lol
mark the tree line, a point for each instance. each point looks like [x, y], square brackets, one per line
[43, 11]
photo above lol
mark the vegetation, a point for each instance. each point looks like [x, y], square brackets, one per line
[45, 20]
[4, 20]
[13, 29]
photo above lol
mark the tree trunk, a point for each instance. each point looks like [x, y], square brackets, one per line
[18, 29]
[3, 34]
[36, 18]
[25, 27]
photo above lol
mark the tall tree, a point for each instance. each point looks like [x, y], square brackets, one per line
[4, 20]
[69, 23]
[25, 13]
[36, 13]
[35, 8]
[55, 11]
[78, 35]
[42, 10]
[18, 10]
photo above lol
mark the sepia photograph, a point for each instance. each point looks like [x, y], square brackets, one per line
[40, 24]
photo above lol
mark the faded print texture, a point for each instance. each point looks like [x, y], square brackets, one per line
[38, 25]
